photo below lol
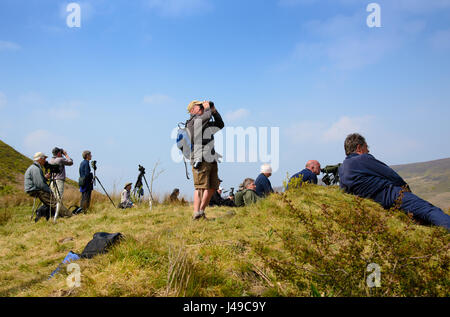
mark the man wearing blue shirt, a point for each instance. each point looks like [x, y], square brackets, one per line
[262, 182]
[86, 181]
[309, 174]
[363, 175]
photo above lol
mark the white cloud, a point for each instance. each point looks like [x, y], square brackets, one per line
[157, 100]
[66, 111]
[9, 46]
[43, 141]
[319, 132]
[342, 43]
[31, 99]
[346, 125]
[176, 8]
[3, 100]
[237, 115]
[345, 42]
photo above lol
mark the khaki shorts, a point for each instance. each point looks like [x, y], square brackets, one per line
[206, 177]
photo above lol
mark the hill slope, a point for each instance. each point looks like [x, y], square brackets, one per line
[12, 169]
[429, 180]
[313, 241]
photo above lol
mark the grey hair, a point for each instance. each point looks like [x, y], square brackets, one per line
[247, 182]
[352, 141]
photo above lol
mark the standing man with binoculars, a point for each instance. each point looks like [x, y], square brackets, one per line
[203, 157]
[58, 185]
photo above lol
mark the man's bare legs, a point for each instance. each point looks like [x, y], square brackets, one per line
[201, 201]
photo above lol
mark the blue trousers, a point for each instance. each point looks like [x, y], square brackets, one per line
[412, 204]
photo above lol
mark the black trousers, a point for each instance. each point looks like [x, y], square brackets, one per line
[85, 200]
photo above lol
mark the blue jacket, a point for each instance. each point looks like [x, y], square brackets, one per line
[85, 171]
[307, 176]
[263, 185]
[365, 176]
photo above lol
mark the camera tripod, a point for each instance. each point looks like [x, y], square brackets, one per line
[57, 197]
[138, 186]
[94, 166]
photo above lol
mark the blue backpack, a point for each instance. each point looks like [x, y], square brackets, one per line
[184, 144]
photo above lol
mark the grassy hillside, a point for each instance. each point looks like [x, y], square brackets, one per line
[12, 165]
[429, 180]
[12, 169]
[313, 241]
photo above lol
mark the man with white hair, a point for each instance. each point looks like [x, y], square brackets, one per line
[35, 185]
[262, 182]
[309, 174]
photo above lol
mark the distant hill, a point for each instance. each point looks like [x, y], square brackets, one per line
[429, 180]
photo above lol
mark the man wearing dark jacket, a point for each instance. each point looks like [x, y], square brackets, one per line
[363, 175]
[217, 200]
[203, 157]
[263, 185]
[309, 174]
[86, 180]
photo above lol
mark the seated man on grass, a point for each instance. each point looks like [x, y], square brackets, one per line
[263, 186]
[247, 196]
[125, 197]
[309, 174]
[35, 185]
[363, 175]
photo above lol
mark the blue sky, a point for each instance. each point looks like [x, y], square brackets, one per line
[119, 84]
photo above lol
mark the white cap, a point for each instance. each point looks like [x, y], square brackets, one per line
[266, 168]
[39, 155]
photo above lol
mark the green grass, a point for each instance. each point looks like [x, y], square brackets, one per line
[313, 241]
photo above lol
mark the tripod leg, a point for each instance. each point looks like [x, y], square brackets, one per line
[58, 206]
[105, 191]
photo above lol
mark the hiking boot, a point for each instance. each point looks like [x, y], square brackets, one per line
[199, 215]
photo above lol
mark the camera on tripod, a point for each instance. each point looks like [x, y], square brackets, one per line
[94, 165]
[52, 168]
[331, 174]
[142, 169]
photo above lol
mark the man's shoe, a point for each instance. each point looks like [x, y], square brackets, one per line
[199, 215]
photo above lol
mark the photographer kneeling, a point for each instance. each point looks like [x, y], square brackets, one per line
[35, 185]
[58, 186]
[203, 157]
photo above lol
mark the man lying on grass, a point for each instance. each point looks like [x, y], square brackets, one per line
[247, 196]
[363, 175]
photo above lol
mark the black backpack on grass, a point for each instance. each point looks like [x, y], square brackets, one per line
[100, 244]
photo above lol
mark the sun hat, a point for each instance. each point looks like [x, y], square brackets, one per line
[127, 185]
[39, 155]
[194, 103]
